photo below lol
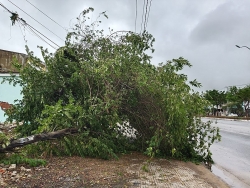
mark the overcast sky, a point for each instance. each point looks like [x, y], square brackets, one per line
[203, 31]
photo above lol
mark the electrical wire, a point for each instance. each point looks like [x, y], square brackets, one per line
[41, 37]
[148, 13]
[34, 33]
[47, 16]
[23, 33]
[142, 15]
[9, 12]
[145, 16]
[35, 20]
[6, 8]
[33, 30]
[38, 32]
[135, 14]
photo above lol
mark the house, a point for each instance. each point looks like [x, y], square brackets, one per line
[8, 92]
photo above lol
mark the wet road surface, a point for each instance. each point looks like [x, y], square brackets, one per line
[232, 154]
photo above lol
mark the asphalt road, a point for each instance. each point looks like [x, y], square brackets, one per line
[232, 154]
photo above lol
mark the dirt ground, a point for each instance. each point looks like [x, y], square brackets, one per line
[131, 170]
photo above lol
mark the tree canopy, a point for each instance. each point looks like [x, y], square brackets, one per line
[105, 86]
[240, 97]
[215, 97]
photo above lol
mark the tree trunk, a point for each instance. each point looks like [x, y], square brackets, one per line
[20, 142]
[246, 108]
[214, 113]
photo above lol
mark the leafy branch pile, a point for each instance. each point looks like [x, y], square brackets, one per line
[98, 80]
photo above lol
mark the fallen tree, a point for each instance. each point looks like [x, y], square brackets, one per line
[20, 142]
[100, 80]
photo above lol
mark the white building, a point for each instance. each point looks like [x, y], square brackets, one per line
[9, 93]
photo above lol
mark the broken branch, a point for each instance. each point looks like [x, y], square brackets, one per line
[20, 142]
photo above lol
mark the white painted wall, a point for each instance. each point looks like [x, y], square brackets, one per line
[8, 93]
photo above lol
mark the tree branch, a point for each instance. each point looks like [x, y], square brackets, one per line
[20, 142]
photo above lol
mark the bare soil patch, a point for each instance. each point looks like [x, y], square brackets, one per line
[131, 170]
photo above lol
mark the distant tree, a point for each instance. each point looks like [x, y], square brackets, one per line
[232, 101]
[239, 97]
[244, 98]
[216, 98]
[231, 94]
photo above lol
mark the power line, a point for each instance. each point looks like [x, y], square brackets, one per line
[142, 15]
[6, 8]
[35, 20]
[148, 13]
[47, 16]
[145, 16]
[24, 35]
[24, 23]
[30, 29]
[41, 37]
[242, 47]
[135, 14]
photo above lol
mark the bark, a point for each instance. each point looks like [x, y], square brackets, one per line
[20, 142]
[246, 108]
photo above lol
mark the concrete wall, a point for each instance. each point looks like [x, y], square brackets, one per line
[6, 58]
[9, 93]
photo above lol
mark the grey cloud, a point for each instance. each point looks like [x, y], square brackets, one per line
[221, 25]
[204, 32]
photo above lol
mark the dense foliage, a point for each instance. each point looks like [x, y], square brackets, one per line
[216, 98]
[239, 100]
[95, 82]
